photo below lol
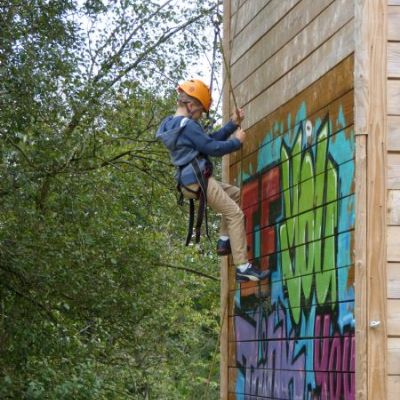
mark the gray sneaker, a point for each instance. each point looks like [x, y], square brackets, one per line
[252, 274]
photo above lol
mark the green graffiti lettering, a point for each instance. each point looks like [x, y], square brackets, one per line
[307, 235]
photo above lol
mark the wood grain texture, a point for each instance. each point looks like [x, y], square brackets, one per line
[370, 105]
[393, 387]
[280, 34]
[393, 97]
[261, 24]
[393, 207]
[393, 140]
[393, 243]
[394, 356]
[394, 317]
[303, 75]
[246, 13]
[393, 279]
[360, 250]
[393, 22]
[393, 59]
[318, 32]
[324, 95]
[393, 170]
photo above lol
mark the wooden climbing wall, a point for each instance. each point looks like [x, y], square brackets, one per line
[393, 199]
[311, 76]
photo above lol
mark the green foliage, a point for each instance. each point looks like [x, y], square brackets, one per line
[96, 301]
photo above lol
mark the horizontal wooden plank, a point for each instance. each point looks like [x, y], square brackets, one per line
[234, 5]
[393, 356]
[264, 384]
[260, 194]
[393, 317]
[344, 207]
[242, 298]
[393, 139]
[246, 14]
[393, 59]
[260, 24]
[312, 37]
[394, 23]
[328, 96]
[393, 170]
[393, 387]
[393, 207]
[340, 135]
[393, 97]
[288, 27]
[393, 243]
[252, 325]
[330, 54]
[393, 280]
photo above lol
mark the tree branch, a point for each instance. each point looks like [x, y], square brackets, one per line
[117, 54]
[150, 49]
[78, 114]
[33, 301]
[190, 270]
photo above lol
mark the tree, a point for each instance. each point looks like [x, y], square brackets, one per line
[97, 301]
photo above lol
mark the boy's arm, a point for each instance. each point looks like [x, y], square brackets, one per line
[208, 145]
[225, 131]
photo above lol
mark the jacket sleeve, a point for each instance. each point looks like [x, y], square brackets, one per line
[208, 145]
[225, 131]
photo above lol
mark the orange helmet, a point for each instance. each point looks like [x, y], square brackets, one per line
[197, 89]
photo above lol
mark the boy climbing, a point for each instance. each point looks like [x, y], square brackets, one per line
[190, 148]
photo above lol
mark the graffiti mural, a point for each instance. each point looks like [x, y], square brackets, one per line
[294, 334]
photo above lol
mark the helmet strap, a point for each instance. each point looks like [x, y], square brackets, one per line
[191, 112]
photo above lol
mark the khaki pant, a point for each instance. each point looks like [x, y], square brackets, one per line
[224, 198]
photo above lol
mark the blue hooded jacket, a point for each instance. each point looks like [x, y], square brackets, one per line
[186, 139]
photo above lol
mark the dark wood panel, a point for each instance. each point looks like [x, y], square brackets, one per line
[326, 97]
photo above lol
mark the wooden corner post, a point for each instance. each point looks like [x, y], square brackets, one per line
[370, 237]
[224, 345]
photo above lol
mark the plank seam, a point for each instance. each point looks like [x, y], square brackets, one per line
[283, 45]
[297, 64]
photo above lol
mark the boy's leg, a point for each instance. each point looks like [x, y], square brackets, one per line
[234, 193]
[232, 217]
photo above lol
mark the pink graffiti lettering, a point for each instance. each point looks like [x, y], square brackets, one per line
[334, 361]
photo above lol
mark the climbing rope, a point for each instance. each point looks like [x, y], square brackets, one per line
[211, 120]
[206, 394]
[218, 40]
[217, 23]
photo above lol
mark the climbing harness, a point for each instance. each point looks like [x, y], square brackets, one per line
[201, 168]
[202, 171]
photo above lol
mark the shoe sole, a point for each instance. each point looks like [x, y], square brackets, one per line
[249, 277]
[252, 277]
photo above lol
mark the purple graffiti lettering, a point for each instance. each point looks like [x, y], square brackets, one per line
[333, 361]
[271, 367]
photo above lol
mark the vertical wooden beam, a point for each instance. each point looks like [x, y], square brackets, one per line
[360, 249]
[370, 246]
[224, 345]
[360, 245]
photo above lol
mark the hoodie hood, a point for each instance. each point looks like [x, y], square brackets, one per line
[170, 133]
